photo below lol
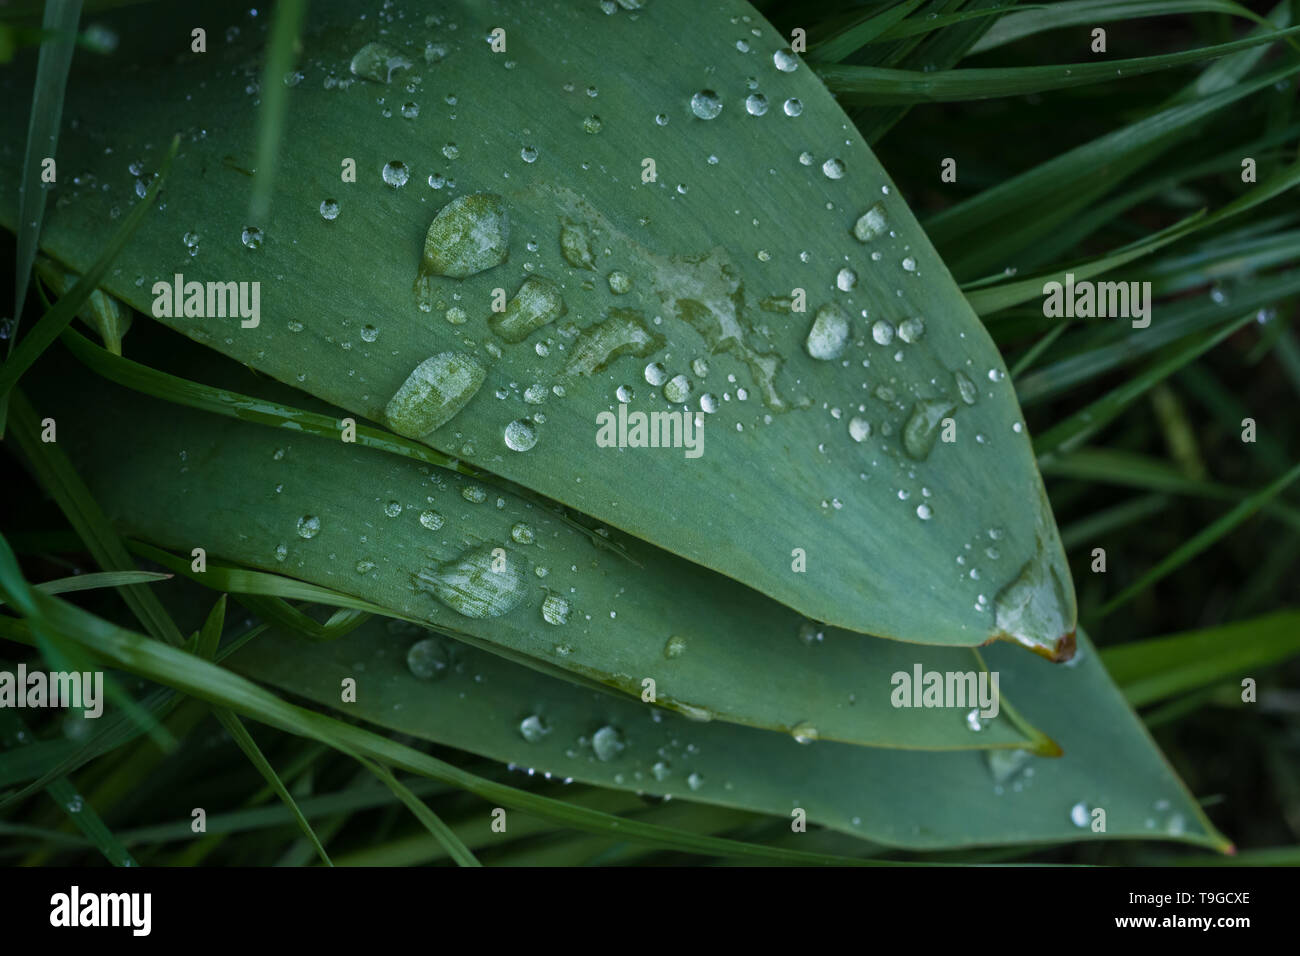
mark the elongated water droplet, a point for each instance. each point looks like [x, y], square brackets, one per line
[965, 388]
[622, 333]
[433, 393]
[375, 61]
[468, 236]
[575, 245]
[537, 303]
[922, 428]
[486, 581]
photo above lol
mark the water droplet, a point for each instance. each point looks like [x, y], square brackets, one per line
[923, 512]
[451, 151]
[308, 526]
[607, 743]
[532, 729]
[846, 279]
[756, 104]
[678, 389]
[859, 429]
[792, 107]
[377, 62]
[520, 435]
[806, 158]
[486, 581]
[624, 393]
[804, 732]
[473, 494]
[785, 61]
[911, 330]
[973, 721]
[575, 245]
[1079, 814]
[833, 168]
[433, 393]
[469, 235]
[555, 609]
[622, 333]
[591, 124]
[675, 647]
[909, 264]
[661, 119]
[396, 174]
[965, 388]
[393, 509]
[882, 332]
[428, 659]
[706, 104]
[811, 634]
[431, 520]
[871, 224]
[191, 240]
[410, 110]
[656, 374]
[522, 534]
[708, 403]
[619, 283]
[251, 237]
[537, 303]
[661, 770]
[695, 781]
[369, 333]
[281, 552]
[922, 428]
[829, 332]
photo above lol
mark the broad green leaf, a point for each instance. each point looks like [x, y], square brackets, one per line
[378, 527]
[899, 798]
[702, 271]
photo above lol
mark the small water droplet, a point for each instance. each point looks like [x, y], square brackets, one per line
[431, 520]
[528, 154]
[308, 526]
[1079, 814]
[656, 374]
[804, 732]
[607, 742]
[675, 647]
[532, 729]
[792, 107]
[911, 330]
[859, 429]
[785, 61]
[846, 279]
[393, 509]
[620, 283]
[520, 435]
[396, 174]
[833, 168]
[828, 333]
[251, 237]
[882, 332]
[555, 609]
[428, 659]
[756, 104]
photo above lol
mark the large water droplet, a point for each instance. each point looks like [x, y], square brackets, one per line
[486, 581]
[555, 609]
[678, 389]
[785, 61]
[607, 742]
[468, 236]
[829, 332]
[520, 435]
[532, 729]
[433, 393]
[706, 104]
[537, 303]
[871, 224]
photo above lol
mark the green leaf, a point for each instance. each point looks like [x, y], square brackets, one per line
[1162, 667]
[870, 84]
[900, 798]
[685, 266]
[713, 648]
